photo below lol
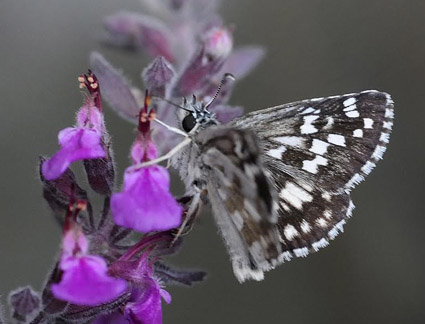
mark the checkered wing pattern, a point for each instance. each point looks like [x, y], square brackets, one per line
[316, 151]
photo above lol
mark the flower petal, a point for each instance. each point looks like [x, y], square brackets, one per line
[114, 318]
[91, 116]
[147, 308]
[145, 204]
[85, 282]
[143, 149]
[165, 295]
[77, 144]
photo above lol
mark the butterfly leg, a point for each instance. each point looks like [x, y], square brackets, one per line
[195, 205]
[164, 157]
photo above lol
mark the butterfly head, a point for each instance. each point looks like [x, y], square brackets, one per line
[198, 115]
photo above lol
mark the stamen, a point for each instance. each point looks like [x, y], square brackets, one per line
[90, 82]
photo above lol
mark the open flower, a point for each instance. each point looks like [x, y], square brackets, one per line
[145, 203]
[81, 142]
[136, 267]
[145, 304]
[85, 280]
[140, 266]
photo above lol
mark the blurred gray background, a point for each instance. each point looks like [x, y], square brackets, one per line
[373, 273]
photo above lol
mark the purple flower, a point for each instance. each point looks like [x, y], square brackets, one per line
[81, 142]
[145, 203]
[145, 303]
[144, 306]
[84, 280]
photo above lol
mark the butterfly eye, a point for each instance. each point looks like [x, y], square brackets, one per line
[188, 123]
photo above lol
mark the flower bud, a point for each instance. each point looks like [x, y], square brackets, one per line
[157, 76]
[218, 43]
[207, 61]
[23, 301]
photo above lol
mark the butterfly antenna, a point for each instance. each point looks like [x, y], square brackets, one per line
[172, 103]
[226, 77]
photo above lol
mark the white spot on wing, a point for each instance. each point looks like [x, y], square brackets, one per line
[327, 196]
[379, 151]
[319, 147]
[322, 222]
[368, 122]
[312, 166]
[350, 101]
[389, 113]
[305, 227]
[336, 139]
[302, 252]
[356, 179]
[368, 167]
[388, 125]
[290, 140]
[327, 213]
[320, 244]
[290, 232]
[385, 137]
[350, 108]
[350, 209]
[339, 227]
[309, 110]
[285, 206]
[295, 195]
[352, 114]
[307, 127]
[276, 153]
[358, 133]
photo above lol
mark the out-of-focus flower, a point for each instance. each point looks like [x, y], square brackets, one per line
[84, 140]
[84, 280]
[200, 48]
[146, 204]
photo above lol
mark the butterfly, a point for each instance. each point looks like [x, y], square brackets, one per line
[279, 179]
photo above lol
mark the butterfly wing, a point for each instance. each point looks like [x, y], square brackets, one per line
[317, 151]
[242, 199]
